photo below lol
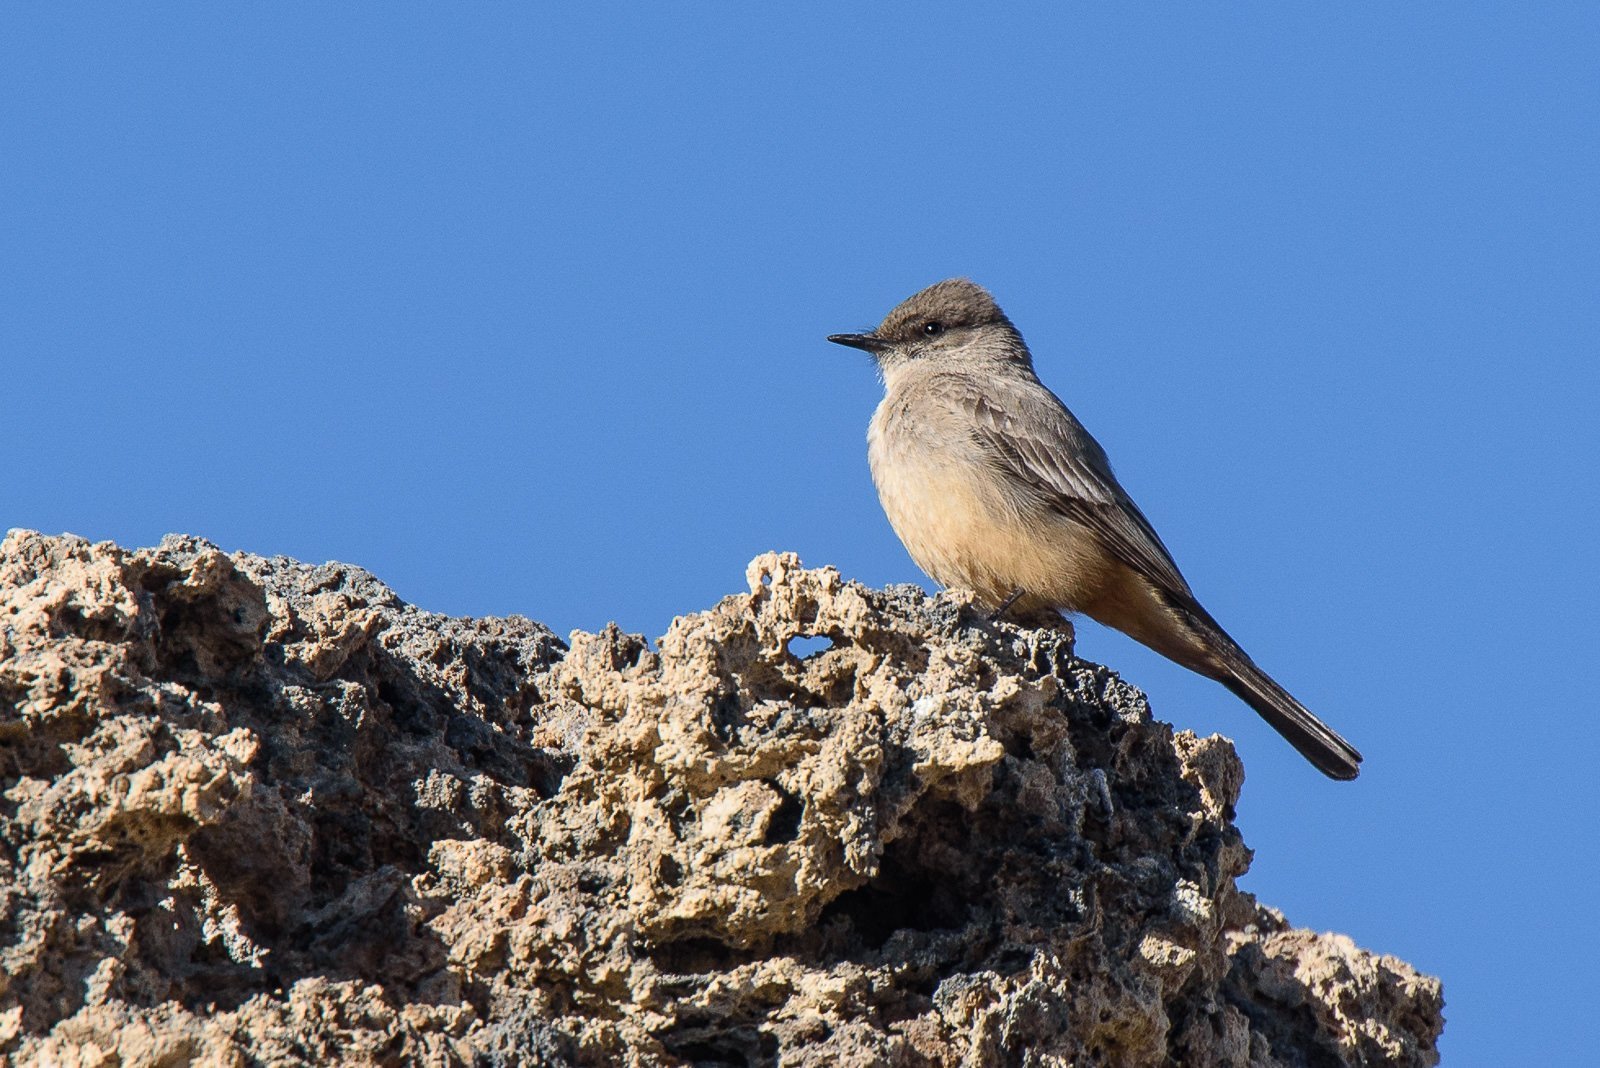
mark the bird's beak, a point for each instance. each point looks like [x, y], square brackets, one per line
[865, 342]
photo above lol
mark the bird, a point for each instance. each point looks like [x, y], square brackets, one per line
[993, 485]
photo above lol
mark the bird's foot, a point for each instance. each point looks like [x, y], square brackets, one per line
[1005, 604]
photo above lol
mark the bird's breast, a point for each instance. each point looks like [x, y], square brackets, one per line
[966, 525]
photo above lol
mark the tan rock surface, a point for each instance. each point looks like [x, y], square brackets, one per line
[260, 812]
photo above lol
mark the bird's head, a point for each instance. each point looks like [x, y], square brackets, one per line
[951, 322]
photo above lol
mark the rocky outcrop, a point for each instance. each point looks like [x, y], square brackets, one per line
[260, 812]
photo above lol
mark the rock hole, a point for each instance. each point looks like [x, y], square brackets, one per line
[721, 1045]
[906, 894]
[727, 715]
[694, 956]
[785, 823]
[802, 646]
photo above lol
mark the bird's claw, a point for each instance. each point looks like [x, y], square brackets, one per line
[1005, 604]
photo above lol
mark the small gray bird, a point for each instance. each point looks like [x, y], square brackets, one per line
[993, 485]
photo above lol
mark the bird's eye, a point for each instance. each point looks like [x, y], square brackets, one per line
[933, 329]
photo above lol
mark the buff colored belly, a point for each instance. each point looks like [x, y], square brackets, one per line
[963, 531]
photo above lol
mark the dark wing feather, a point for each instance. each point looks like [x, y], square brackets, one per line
[1033, 437]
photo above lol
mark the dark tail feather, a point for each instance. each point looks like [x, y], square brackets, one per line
[1316, 741]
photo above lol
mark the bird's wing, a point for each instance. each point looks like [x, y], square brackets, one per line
[1028, 433]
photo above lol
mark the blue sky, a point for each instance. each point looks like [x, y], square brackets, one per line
[524, 312]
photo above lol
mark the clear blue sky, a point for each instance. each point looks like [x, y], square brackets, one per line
[525, 313]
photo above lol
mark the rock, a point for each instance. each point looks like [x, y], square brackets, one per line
[257, 811]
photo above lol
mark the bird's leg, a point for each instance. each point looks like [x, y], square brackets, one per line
[1007, 603]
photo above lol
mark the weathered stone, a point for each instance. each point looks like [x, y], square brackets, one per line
[256, 811]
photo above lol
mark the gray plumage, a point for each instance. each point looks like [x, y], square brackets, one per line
[992, 484]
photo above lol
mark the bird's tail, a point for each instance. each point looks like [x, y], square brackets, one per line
[1316, 741]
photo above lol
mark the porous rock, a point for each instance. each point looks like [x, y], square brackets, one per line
[261, 812]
